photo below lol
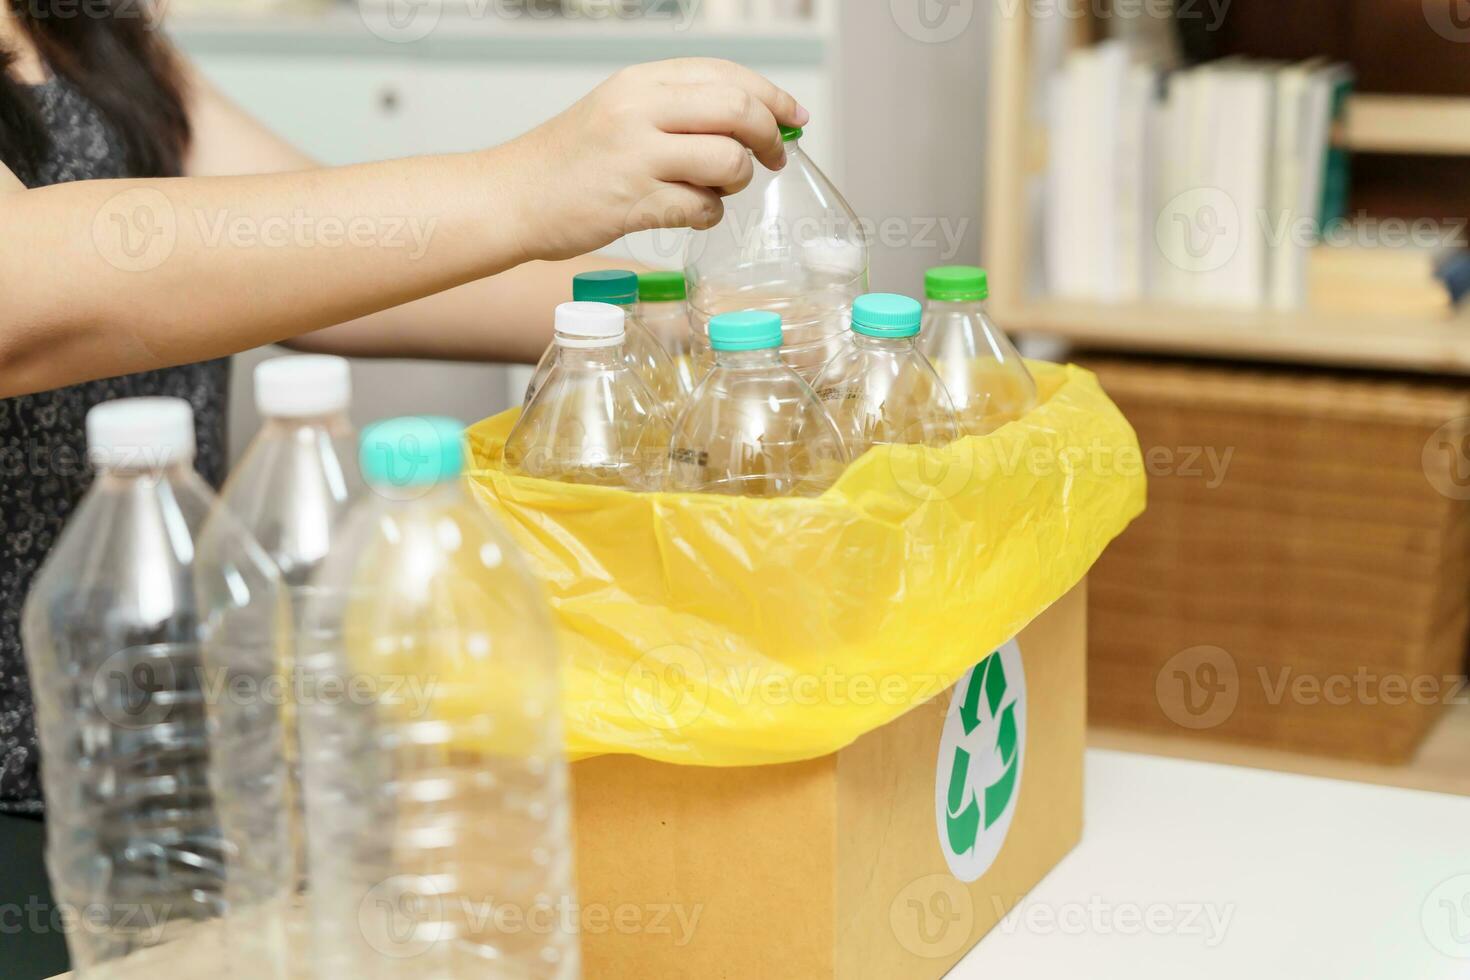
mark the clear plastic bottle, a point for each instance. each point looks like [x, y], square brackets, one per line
[593, 421]
[788, 244]
[882, 390]
[438, 822]
[289, 490]
[985, 375]
[641, 348]
[754, 428]
[151, 637]
[663, 308]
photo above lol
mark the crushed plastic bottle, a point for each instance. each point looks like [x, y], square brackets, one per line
[437, 806]
[754, 428]
[788, 244]
[663, 308]
[151, 637]
[593, 421]
[882, 390]
[986, 378]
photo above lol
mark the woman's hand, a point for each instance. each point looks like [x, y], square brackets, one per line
[655, 146]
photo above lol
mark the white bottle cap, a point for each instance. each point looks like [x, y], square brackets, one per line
[141, 433]
[302, 386]
[590, 325]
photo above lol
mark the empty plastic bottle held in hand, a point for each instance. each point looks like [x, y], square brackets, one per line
[436, 787]
[642, 350]
[881, 390]
[150, 635]
[593, 421]
[986, 378]
[754, 428]
[289, 490]
[663, 308]
[788, 244]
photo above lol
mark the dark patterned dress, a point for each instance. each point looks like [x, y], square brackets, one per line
[43, 471]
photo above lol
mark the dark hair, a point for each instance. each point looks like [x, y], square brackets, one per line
[114, 54]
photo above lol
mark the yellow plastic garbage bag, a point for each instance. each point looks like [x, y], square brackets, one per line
[719, 631]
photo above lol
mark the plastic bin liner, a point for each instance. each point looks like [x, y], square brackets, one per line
[724, 631]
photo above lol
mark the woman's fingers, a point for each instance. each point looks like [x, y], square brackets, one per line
[716, 162]
[723, 110]
[714, 71]
[677, 205]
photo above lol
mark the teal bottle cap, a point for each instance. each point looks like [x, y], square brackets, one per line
[616, 286]
[957, 284]
[662, 287]
[886, 315]
[413, 451]
[748, 330]
[789, 133]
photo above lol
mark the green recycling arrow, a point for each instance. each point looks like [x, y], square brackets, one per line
[963, 819]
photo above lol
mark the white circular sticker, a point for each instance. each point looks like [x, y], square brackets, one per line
[978, 777]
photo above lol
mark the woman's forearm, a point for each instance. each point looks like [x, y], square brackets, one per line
[504, 318]
[108, 277]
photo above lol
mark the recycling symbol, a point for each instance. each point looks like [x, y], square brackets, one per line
[978, 777]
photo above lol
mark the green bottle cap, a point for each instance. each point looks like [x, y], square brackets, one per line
[662, 287]
[957, 284]
[886, 315]
[616, 286]
[413, 451]
[789, 133]
[748, 330]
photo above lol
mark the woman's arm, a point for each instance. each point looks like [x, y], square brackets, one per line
[107, 277]
[507, 317]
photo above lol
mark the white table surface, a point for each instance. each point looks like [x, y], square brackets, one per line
[1192, 870]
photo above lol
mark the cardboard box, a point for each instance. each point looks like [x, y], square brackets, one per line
[1302, 565]
[833, 869]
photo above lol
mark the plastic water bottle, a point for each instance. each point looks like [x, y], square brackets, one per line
[593, 421]
[438, 824]
[882, 390]
[151, 639]
[788, 244]
[754, 428]
[664, 309]
[289, 490]
[979, 365]
[641, 348]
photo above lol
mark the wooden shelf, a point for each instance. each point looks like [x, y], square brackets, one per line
[1423, 346]
[1407, 124]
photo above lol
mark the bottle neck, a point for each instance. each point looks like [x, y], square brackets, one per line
[332, 423]
[119, 469]
[890, 345]
[968, 307]
[743, 360]
[663, 309]
[589, 357]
